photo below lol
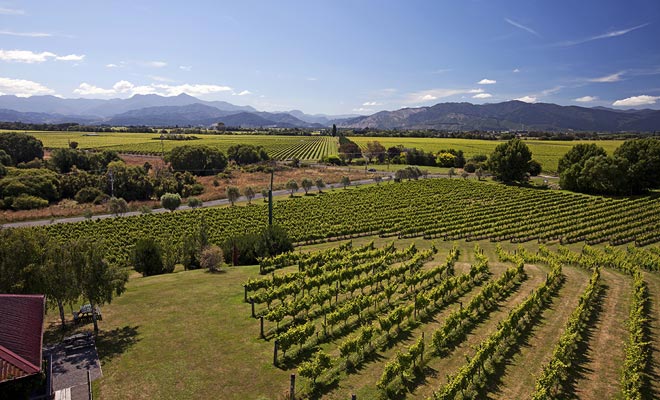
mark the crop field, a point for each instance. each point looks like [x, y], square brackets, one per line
[278, 147]
[429, 289]
[547, 152]
[446, 209]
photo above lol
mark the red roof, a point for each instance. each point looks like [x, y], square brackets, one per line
[21, 334]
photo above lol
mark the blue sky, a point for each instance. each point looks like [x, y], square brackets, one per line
[339, 56]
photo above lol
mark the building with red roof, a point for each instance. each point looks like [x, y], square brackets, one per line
[21, 336]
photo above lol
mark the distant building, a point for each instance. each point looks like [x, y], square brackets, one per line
[21, 340]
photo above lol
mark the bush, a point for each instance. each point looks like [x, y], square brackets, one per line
[27, 202]
[470, 167]
[5, 159]
[146, 257]
[117, 206]
[510, 161]
[3, 171]
[211, 258]
[87, 195]
[247, 249]
[332, 159]
[21, 147]
[170, 201]
[42, 183]
[194, 202]
[200, 160]
[246, 154]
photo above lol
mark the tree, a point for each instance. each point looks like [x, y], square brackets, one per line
[572, 163]
[334, 130]
[345, 181]
[480, 173]
[534, 168]
[233, 194]
[445, 160]
[349, 150]
[194, 202]
[375, 150]
[21, 148]
[451, 172]
[249, 193]
[246, 154]
[147, 257]
[99, 280]
[306, 184]
[510, 161]
[212, 258]
[464, 174]
[264, 194]
[292, 185]
[117, 206]
[642, 157]
[201, 160]
[378, 179]
[320, 184]
[5, 159]
[170, 201]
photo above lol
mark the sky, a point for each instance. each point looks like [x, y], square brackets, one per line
[339, 56]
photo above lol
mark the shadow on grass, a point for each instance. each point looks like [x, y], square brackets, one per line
[113, 343]
[494, 379]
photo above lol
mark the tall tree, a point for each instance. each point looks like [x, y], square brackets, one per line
[99, 280]
[306, 184]
[510, 161]
[233, 193]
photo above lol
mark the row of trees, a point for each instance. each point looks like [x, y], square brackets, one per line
[633, 168]
[31, 262]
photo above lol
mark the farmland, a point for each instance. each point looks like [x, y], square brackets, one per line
[547, 152]
[278, 147]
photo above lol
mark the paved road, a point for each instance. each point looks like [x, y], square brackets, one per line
[212, 203]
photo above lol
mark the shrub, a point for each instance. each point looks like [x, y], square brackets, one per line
[201, 160]
[146, 257]
[170, 201]
[21, 147]
[247, 249]
[87, 195]
[117, 206]
[470, 167]
[211, 258]
[27, 202]
[194, 202]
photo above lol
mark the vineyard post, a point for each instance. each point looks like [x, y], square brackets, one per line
[261, 323]
[245, 294]
[354, 397]
[252, 303]
[292, 387]
[276, 345]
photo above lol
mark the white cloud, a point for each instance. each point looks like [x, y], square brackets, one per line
[434, 94]
[153, 64]
[29, 57]
[636, 101]
[11, 11]
[521, 26]
[482, 96]
[608, 79]
[515, 71]
[527, 99]
[22, 88]
[486, 81]
[363, 110]
[550, 91]
[86, 89]
[126, 87]
[185, 67]
[26, 34]
[122, 87]
[371, 103]
[605, 35]
[244, 93]
[111, 65]
[70, 57]
[586, 99]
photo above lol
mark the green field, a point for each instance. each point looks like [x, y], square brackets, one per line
[278, 147]
[547, 152]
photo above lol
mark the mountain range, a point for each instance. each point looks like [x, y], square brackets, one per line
[186, 110]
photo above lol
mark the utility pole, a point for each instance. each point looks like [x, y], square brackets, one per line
[270, 198]
[112, 183]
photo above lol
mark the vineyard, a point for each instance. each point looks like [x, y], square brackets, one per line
[278, 147]
[444, 209]
[366, 319]
[428, 289]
